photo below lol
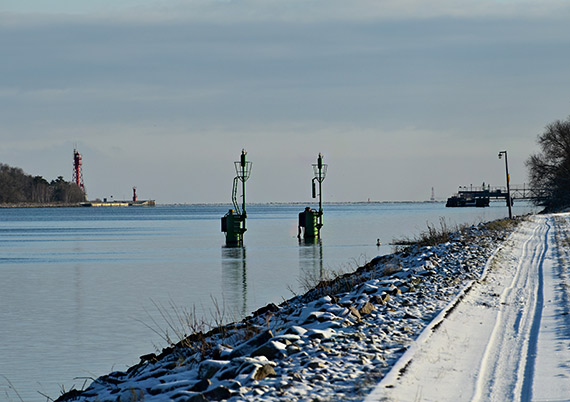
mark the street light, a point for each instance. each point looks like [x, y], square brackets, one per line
[509, 203]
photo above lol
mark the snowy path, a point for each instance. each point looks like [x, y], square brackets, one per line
[509, 337]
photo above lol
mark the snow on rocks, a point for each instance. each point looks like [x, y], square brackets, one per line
[333, 343]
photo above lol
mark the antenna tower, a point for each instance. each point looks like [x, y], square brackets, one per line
[77, 176]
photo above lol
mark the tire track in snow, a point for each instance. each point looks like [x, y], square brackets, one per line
[438, 366]
[508, 338]
[528, 376]
[551, 377]
[507, 367]
[562, 293]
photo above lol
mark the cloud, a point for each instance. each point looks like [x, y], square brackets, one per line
[313, 11]
[392, 93]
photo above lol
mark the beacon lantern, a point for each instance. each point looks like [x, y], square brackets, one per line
[311, 221]
[233, 223]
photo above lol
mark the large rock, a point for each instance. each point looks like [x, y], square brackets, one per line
[208, 368]
[354, 311]
[272, 350]
[201, 385]
[264, 371]
[381, 300]
[197, 398]
[252, 344]
[367, 308]
[219, 393]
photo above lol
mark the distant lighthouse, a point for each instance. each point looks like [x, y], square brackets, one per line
[77, 176]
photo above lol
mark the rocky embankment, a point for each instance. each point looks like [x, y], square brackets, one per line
[333, 343]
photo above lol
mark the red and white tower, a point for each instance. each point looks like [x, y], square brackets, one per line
[77, 170]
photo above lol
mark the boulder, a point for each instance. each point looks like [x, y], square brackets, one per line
[320, 333]
[394, 291]
[201, 385]
[197, 398]
[367, 308]
[219, 393]
[293, 349]
[221, 352]
[381, 300]
[315, 364]
[295, 330]
[354, 311]
[264, 371]
[208, 368]
[252, 344]
[368, 288]
[272, 350]
[271, 308]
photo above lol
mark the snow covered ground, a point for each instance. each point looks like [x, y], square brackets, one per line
[480, 317]
[509, 338]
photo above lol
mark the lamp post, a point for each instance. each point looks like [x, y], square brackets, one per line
[509, 203]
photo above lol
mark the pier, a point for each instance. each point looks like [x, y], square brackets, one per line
[480, 196]
[134, 203]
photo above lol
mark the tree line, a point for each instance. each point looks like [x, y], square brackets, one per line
[19, 187]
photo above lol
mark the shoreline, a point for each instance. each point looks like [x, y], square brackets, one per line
[224, 204]
[78, 204]
[335, 341]
[39, 205]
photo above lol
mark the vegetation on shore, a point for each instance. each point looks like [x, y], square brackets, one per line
[434, 235]
[20, 189]
[549, 170]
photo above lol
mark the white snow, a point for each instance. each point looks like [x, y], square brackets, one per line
[482, 317]
[509, 338]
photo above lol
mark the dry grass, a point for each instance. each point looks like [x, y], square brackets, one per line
[501, 224]
[431, 236]
[184, 329]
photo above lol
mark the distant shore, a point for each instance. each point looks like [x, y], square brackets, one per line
[40, 205]
[78, 204]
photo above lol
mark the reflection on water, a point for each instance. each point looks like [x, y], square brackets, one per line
[234, 273]
[234, 279]
[78, 310]
[310, 261]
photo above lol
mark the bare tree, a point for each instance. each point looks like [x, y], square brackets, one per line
[549, 170]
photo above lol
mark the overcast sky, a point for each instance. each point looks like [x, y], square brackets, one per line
[400, 96]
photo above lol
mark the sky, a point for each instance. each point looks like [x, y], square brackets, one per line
[399, 96]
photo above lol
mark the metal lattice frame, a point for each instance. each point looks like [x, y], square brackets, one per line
[320, 175]
[243, 172]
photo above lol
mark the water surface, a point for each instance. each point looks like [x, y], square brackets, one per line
[83, 290]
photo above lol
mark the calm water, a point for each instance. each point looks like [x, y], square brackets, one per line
[79, 287]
